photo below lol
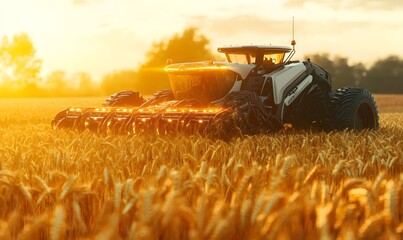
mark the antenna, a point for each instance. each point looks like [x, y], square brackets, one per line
[293, 33]
[293, 42]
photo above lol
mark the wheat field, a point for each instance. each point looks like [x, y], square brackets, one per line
[289, 185]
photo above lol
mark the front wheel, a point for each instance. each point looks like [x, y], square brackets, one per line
[354, 108]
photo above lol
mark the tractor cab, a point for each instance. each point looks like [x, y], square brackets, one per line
[210, 80]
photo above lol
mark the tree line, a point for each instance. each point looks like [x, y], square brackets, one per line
[383, 76]
[20, 70]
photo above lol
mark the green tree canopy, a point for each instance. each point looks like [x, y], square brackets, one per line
[119, 81]
[86, 87]
[385, 76]
[343, 74]
[19, 68]
[189, 46]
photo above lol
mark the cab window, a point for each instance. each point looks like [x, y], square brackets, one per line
[273, 58]
[241, 58]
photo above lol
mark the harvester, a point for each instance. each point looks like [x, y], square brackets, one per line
[259, 89]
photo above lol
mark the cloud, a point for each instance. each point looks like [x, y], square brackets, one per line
[112, 48]
[83, 2]
[359, 40]
[79, 2]
[301, 3]
[241, 25]
[377, 4]
[354, 4]
[251, 25]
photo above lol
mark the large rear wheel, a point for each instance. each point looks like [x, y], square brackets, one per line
[354, 108]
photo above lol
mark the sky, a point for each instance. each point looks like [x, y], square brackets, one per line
[102, 36]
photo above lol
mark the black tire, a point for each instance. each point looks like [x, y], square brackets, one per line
[311, 110]
[354, 108]
[124, 99]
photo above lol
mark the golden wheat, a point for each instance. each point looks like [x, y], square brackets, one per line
[292, 184]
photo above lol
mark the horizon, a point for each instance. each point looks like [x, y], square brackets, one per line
[102, 36]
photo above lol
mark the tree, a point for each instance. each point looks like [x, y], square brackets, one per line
[343, 74]
[386, 76]
[186, 47]
[347, 75]
[19, 68]
[56, 83]
[56, 80]
[119, 81]
[84, 84]
[322, 60]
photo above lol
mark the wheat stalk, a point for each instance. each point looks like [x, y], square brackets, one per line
[339, 185]
[56, 230]
[67, 186]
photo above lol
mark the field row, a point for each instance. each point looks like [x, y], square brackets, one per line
[286, 185]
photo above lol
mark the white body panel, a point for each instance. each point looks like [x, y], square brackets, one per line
[236, 87]
[283, 78]
[298, 90]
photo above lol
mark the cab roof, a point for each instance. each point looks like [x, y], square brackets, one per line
[254, 48]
